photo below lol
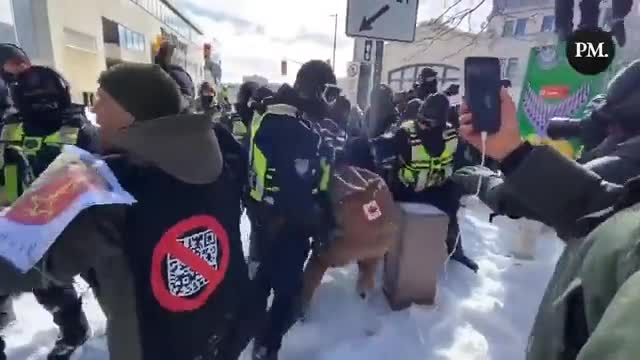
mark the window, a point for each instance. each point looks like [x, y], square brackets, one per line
[507, 29]
[521, 27]
[129, 43]
[121, 36]
[110, 31]
[548, 23]
[396, 75]
[512, 68]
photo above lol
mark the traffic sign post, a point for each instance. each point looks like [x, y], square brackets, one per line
[391, 20]
[368, 49]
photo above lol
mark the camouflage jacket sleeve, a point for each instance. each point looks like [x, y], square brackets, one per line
[611, 289]
[92, 235]
[616, 336]
[558, 190]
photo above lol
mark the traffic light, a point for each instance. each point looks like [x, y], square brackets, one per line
[283, 67]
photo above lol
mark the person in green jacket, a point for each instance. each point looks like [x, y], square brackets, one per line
[589, 311]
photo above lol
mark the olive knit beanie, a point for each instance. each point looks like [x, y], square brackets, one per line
[145, 91]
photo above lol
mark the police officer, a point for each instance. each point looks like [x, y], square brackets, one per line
[238, 122]
[382, 113]
[205, 102]
[286, 181]
[426, 149]
[31, 139]
[427, 83]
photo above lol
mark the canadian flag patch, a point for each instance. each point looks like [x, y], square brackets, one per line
[372, 210]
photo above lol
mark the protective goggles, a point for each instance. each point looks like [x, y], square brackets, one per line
[330, 93]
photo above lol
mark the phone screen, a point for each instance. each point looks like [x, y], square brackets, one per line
[482, 84]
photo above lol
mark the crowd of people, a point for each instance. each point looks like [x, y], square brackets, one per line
[271, 155]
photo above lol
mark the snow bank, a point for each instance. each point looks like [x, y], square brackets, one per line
[477, 317]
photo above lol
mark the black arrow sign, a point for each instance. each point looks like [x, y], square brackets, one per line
[367, 23]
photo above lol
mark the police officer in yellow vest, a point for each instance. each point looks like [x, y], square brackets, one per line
[427, 148]
[287, 181]
[30, 140]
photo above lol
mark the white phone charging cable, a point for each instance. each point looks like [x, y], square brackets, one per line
[483, 137]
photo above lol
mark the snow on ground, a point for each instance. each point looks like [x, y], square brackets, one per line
[477, 317]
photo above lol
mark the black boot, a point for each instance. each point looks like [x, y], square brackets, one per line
[3, 356]
[261, 352]
[466, 261]
[74, 331]
[458, 253]
[7, 315]
[619, 32]
[564, 18]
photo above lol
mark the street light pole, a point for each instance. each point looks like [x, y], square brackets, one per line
[335, 40]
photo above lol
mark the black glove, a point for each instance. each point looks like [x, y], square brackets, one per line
[468, 178]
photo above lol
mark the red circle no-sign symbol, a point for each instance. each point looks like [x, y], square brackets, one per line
[169, 245]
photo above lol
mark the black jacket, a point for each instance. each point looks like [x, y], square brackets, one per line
[291, 146]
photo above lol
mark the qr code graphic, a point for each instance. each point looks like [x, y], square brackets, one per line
[183, 281]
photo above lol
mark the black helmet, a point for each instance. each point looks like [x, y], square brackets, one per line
[246, 92]
[412, 109]
[313, 79]
[427, 75]
[40, 90]
[9, 52]
[427, 83]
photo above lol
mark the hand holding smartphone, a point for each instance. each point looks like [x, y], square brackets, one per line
[482, 86]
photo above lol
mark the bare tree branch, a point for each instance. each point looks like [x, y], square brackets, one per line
[472, 42]
[443, 28]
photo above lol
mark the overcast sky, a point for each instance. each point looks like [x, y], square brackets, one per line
[253, 36]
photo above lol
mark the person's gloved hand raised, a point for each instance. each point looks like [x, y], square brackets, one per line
[500, 144]
[468, 177]
[481, 181]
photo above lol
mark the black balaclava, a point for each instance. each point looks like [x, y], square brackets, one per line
[206, 101]
[434, 112]
[245, 93]
[310, 84]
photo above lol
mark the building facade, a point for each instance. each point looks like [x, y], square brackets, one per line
[7, 22]
[512, 29]
[82, 38]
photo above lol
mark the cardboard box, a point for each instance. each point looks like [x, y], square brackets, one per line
[412, 266]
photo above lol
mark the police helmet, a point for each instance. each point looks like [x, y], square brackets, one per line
[40, 89]
[11, 53]
[316, 80]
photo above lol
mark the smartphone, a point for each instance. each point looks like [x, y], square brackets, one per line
[482, 85]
